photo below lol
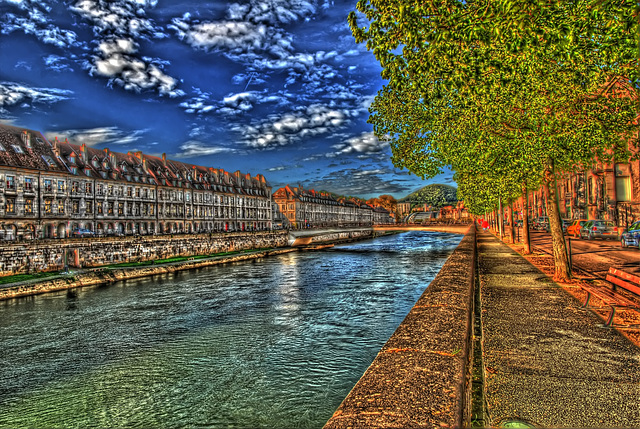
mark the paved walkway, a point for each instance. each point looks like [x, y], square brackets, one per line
[547, 361]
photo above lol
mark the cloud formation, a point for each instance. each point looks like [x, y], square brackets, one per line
[96, 136]
[291, 127]
[352, 181]
[12, 94]
[30, 17]
[195, 148]
[366, 143]
[118, 25]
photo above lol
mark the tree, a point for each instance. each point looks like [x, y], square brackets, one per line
[505, 89]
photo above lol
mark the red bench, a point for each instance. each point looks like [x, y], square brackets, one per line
[612, 299]
[624, 280]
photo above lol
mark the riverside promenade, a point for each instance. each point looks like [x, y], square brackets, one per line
[494, 342]
[547, 361]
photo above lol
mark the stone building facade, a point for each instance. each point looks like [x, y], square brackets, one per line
[607, 191]
[51, 189]
[295, 207]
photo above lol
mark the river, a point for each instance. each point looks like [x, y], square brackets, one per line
[271, 343]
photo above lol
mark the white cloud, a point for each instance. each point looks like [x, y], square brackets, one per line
[118, 25]
[95, 136]
[37, 24]
[12, 93]
[116, 62]
[366, 143]
[194, 148]
[293, 126]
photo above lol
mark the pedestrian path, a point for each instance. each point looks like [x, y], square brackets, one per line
[547, 361]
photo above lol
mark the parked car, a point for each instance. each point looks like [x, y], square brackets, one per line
[631, 237]
[574, 229]
[598, 228]
[565, 224]
[83, 232]
[540, 223]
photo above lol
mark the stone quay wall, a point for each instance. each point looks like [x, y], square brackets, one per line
[54, 255]
[422, 375]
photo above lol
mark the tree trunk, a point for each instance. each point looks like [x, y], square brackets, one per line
[525, 221]
[500, 219]
[512, 224]
[560, 258]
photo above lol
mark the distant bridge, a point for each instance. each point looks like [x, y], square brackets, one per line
[304, 237]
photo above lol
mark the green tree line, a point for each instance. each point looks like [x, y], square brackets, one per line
[505, 93]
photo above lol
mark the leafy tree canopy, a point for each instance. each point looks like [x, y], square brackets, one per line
[435, 195]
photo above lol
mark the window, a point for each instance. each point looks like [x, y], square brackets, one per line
[28, 184]
[11, 182]
[17, 148]
[137, 192]
[120, 209]
[47, 205]
[28, 205]
[75, 187]
[75, 207]
[60, 207]
[99, 189]
[623, 188]
[48, 187]
[89, 208]
[10, 206]
[99, 207]
[129, 191]
[110, 208]
[88, 187]
[49, 161]
[110, 190]
[60, 185]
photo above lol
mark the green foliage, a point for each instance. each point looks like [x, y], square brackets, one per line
[487, 84]
[434, 195]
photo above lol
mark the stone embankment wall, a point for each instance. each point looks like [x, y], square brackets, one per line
[421, 376]
[53, 255]
[104, 276]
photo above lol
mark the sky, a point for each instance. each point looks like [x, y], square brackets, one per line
[271, 87]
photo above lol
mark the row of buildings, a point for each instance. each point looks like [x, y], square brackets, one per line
[300, 208]
[606, 191]
[52, 189]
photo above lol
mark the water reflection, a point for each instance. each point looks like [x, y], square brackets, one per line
[274, 343]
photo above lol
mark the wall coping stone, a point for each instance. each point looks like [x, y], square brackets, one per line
[421, 376]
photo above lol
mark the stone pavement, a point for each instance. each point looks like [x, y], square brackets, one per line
[548, 362]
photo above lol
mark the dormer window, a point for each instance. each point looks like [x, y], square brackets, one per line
[72, 158]
[49, 161]
[17, 148]
[95, 163]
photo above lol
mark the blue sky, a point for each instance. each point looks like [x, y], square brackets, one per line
[272, 87]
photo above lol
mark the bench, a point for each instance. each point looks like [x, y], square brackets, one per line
[610, 297]
[624, 280]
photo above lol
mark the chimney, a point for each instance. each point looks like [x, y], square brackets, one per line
[26, 139]
[83, 152]
[144, 165]
[139, 154]
[164, 159]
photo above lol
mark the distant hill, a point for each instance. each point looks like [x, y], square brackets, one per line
[435, 195]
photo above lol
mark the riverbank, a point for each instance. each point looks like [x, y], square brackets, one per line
[102, 276]
[494, 342]
[421, 376]
[142, 254]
